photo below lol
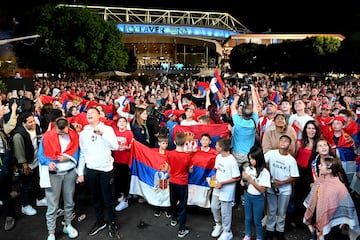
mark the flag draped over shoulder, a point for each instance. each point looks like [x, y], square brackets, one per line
[215, 131]
[147, 179]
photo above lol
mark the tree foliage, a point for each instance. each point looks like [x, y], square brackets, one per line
[74, 40]
[314, 54]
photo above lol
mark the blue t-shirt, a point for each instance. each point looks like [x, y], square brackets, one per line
[243, 133]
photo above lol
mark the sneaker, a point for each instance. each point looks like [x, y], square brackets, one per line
[1, 203]
[9, 223]
[59, 212]
[41, 203]
[217, 230]
[121, 206]
[247, 237]
[141, 200]
[226, 236]
[70, 231]
[121, 198]
[183, 233]
[96, 228]
[28, 210]
[167, 214]
[73, 215]
[51, 236]
[113, 230]
[173, 223]
[157, 213]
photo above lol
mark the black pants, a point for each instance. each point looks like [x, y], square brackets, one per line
[178, 193]
[5, 190]
[30, 187]
[102, 191]
[122, 179]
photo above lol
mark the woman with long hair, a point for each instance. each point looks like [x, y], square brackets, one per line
[302, 186]
[138, 126]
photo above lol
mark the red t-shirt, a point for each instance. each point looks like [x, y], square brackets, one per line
[179, 163]
[125, 139]
[303, 157]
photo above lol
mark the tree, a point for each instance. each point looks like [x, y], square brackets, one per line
[74, 40]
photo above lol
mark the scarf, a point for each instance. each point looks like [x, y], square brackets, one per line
[332, 204]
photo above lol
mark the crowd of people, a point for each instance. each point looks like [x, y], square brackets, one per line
[292, 155]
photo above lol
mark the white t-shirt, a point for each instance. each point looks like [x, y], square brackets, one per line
[263, 179]
[226, 168]
[281, 168]
[302, 120]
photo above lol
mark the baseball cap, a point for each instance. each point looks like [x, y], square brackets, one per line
[279, 113]
[271, 102]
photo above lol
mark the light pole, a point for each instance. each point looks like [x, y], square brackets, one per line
[6, 41]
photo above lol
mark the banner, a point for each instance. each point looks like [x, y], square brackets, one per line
[194, 132]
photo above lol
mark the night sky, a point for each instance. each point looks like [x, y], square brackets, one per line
[312, 16]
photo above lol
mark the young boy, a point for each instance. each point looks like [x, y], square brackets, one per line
[163, 146]
[178, 166]
[284, 171]
[226, 175]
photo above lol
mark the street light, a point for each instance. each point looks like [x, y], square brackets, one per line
[6, 41]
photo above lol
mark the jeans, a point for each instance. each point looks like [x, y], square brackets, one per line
[277, 207]
[254, 211]
[102, 190]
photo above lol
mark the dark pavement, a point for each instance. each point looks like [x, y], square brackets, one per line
[136, 222]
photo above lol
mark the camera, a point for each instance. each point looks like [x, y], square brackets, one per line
[245, 85]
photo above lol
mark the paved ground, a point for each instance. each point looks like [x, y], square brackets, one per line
[136, 222]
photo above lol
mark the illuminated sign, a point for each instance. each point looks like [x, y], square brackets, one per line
[174, 30]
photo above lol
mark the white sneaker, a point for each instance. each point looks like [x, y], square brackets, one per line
[121, 206]
[226, 236]
[70, 231]
[217, 230]
[1, 203]
[51, 236]
[121, 198]
[28, 210]
[41, 203]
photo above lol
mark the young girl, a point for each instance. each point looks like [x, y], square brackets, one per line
[330, 203]
[255, 178]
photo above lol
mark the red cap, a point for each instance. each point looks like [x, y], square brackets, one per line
[325, 106]
[339, 118]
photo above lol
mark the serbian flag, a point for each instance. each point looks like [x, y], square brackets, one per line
[194, 132]
[150, 182]
[79, 121]
[147, 178]
[202, 87]
[216, 83]
[203, 167]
